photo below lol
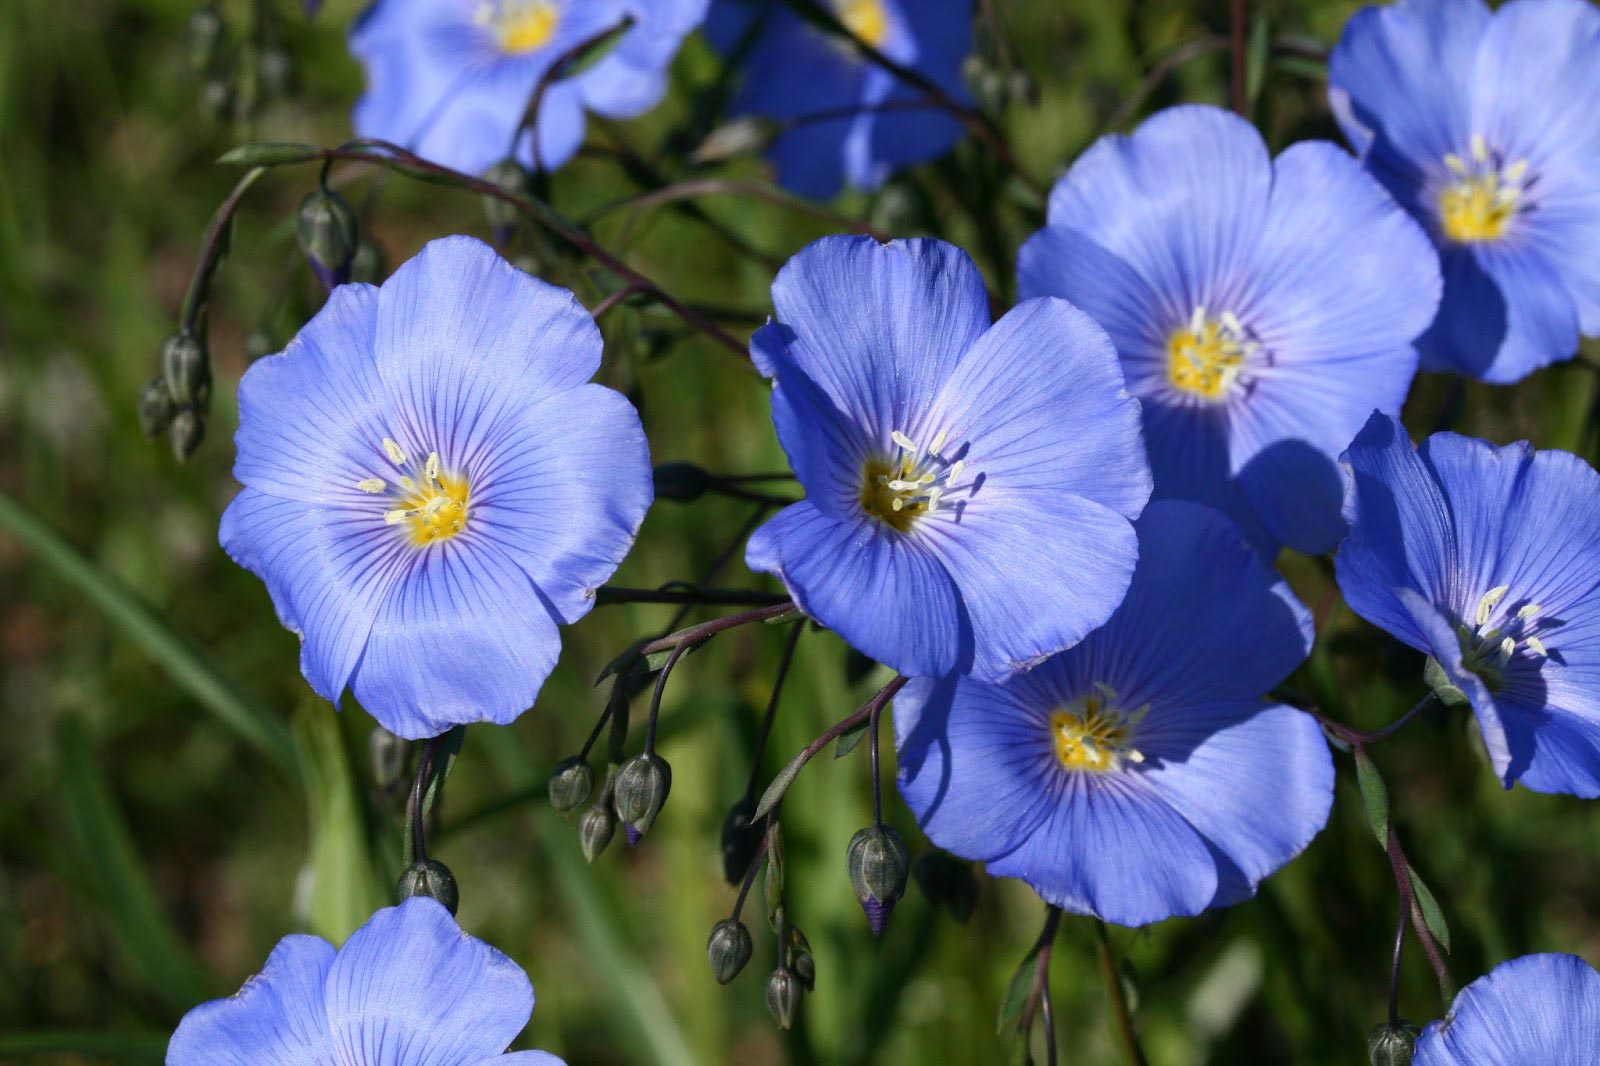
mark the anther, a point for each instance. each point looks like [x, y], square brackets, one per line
[392, 448]
[371, 484]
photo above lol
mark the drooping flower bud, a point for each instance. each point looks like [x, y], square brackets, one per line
[186, 369]
[185, 433]
[595, 829]
[327, 230]
[740, 839]
[728, 949]
[571, 785]
[641, 791]
[156, 408]
[432, 879]
[1392, 1045]
[784, 993]
[878, 861]
[509, 175]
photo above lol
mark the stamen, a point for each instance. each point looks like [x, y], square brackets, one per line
[1536, 646]
[1529, 611]
[910, 482]
[371, 484]
[1490, 599]
[395, 517]
[1487, 650]
[392, 448]
[431, 471]
[904, 441]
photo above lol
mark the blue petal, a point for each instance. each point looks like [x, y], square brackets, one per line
[1256, 781]
[464, 637]
[328, 570]
[1566, 753]
[1537, 97]
[883, 592]
[974, 764]
[942, 32]
[879, 328]
[631, 78]
[276, 1019]
[1505, 314]
[309, 419]
[1204, 621]
[1190, 187]
[1189, 446]
[1541, 1009]
[562, 491]
[523, 1058]
[1401, 532]
[462, 334]
[1040, 546]
[410, 988]
[1401, 75]
[1113, 848]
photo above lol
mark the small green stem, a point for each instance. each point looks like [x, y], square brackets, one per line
[1121, 1017]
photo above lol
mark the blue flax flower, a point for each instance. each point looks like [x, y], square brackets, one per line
[1538, 1010]
[968, 486]
[409, 988]
[451, 79]
[1487, 559]
[1262, 308]
[848, 119]
[1139, 775]
[1486, 127]
[431, 485]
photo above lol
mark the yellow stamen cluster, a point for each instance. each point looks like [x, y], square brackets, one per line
[1206, 355]
[520, 26]
[1092, 734]
[1485, 649]
[867, 19]
[1482, 199]
[899, 489]
[431, 507]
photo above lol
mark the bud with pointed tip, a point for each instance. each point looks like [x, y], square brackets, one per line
[641, 791]
[1392, 1045]
[327, 230]
[740, 839]
[432, 879]
[185, 433]
[784, 993]
[571, 785]
[805, 968]
[186, 369]
[596, 826]
[878, 861]
[728, 949]
[156, 408]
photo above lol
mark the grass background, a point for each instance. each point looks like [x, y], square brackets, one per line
[151, 852]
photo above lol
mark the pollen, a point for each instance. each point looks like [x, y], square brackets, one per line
[867, 19]
[1092, 734]
[1206, 355]
[430, 506]
[1487, 649]
[1482, 198]
[520, 26]
[900, 488]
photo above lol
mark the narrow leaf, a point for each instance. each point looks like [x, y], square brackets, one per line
[1375, 795]
[1018, 991]
[1256, 60]
[780, 785]
[849, 740]
[1432, 915]
[268, 154]
[342, 887]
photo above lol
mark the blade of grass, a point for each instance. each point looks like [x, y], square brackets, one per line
[253, 723]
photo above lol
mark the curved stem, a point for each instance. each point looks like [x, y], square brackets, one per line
[750, 872]
[698, 187]
[211, 247]
[608, 595]
[655, 697]
[556, 70]
[872, 754]
[1394, 966]
[414, 806]
[1121, 1017]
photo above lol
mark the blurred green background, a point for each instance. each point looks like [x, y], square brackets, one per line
[156, 838]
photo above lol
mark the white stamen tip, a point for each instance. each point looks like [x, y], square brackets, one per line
[433, 466]
[394, 517]
[1507, 648]
[1197, 320]
[1490, 599]
[371, 484]
[1529, 611]
[956, 468]
[904, 441]
[938, 442]
[1516, 172]
[391, 448]
[898, 505]
[1133, 755]
[1536, 646]
[1480, 148]
[407, 484]
[1455, 164]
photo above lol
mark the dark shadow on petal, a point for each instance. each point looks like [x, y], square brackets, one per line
[1296, 491]
[1473, 319]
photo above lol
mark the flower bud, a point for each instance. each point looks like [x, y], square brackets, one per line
[784, 993]
[728, 949]
[186, 369]
[510, 176]
[156, 407]
[185, 433]
[740, 839]
[681, 482]
[205, 30]
[1392, 1045]
[948, 882]
[386, 755]
[595, 829]
[641, 792]
[327, 231]
[368, 265]
[878, 862]
[432, 879]
[805, 968]
[571, 785]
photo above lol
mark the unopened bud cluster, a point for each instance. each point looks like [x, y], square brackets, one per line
[175, 401]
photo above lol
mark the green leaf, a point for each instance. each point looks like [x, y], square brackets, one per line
[1375, 795]
[1256, 53]
[1300, 67]
[849, 740]
[1432, 916]
[139, 927]
[343, 886]
[1018, 991]
[780, 784]
[269, 154]
[253, 723]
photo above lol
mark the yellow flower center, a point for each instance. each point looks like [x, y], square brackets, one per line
[520, 26]
[910, 483]
[867, 19]
[431, 506]
[1486, 649]
[1092, 734]
[1482, 199]
[1206, 356]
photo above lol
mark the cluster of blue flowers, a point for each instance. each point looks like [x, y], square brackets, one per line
[1060, 524]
